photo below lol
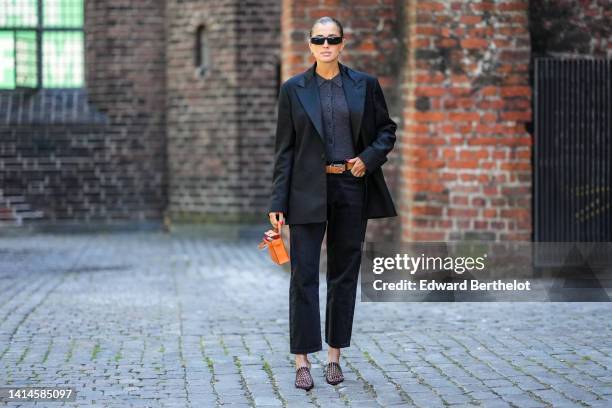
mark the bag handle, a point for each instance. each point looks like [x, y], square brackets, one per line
[266, 239]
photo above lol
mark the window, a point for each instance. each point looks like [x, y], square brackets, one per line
[202, 56]
[41, 44]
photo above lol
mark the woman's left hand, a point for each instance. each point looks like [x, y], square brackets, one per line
[359, 168]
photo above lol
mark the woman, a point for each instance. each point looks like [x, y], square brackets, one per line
[333, 134]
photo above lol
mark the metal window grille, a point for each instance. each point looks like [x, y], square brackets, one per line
[573, 150]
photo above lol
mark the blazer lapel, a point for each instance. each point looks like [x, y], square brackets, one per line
[308, 93]
[354, 90]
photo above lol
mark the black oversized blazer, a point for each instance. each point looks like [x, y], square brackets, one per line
[299, 187]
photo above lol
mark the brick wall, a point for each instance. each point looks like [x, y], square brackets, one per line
[125, 62]
[466, 171]
[221, 124]
[129, 146]
[92, 154]
[570, 27]
[374, 33]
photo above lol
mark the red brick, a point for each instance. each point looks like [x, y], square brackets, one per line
[430, 6]
[514, 213]
[420, 42]
[427, 210]
[429, 78]
[462, 164]
[467, 177]
[481, 225]
[483, 141]
[474, 43]
[449, 153]
[490, 104]
[488, 117]
[460, 91]
[427, 30]
[489, 213]
[482, 6]
[429, 116]
[489, 91]
[428, 236]
[464, 116]
[513, 6]
[473, 154]
[515, 91]
[429, 91]
[516, 166]
[517, 116]
[490, 190]
[470, 19]
[460, 200]
[431, 164]
[478, 202]
[446, 43]
[462, 212]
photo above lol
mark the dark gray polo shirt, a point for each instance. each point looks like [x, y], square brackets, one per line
[336, 119]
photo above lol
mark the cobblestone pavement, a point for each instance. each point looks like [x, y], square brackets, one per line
[148, 319]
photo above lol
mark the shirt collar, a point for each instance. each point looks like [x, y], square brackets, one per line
[336, 80]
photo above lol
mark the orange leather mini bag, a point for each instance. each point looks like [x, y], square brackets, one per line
[274, 242]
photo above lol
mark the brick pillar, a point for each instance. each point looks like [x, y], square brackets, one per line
[221, 122]
[466, 170]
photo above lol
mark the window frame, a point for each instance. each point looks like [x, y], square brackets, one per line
[39, 30]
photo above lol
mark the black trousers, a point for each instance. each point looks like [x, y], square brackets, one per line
[346, 226]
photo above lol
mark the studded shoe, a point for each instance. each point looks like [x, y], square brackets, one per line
[333, 373]
[303, 379]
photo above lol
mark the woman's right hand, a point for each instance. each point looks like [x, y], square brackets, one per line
[276, 218]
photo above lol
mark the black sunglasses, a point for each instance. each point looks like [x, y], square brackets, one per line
[331, 40]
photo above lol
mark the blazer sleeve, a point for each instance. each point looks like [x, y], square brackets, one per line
[283, 153]
[374, 155]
